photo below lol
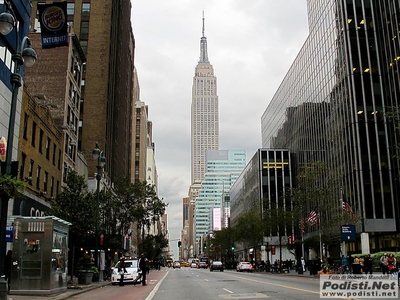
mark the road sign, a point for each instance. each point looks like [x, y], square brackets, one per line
[348, 233]
[9, 233]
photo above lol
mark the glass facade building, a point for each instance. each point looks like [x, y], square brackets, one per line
[267, 177]
[332, 105]
[223, 168]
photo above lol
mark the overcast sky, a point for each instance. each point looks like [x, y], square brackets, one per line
[251, 45]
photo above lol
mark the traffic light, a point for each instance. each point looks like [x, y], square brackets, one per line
[180, 244]
[233, 248]
[204, 246]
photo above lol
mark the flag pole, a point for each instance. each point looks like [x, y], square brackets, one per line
[320, 237]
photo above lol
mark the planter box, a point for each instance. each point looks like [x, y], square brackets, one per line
[85, 277]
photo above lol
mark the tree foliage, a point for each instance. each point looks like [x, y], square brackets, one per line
[77, 206]
[126, 204]
[249, 229]
[317, 191]
[153, 244]
[10, 186]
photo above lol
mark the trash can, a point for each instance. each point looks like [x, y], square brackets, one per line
[314, 266]
[356, 268]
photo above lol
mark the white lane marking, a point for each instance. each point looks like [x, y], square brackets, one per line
[227, 290]
[154, 291]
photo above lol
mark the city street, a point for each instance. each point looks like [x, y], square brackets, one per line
[201, 284]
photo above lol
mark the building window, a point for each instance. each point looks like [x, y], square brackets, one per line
[26, 119]
[46, 175]
[22, 167]
[54, 154]
[59, 159]
[38, 170]
[52, 187]
[85, 9]
[70, 9]
[33, 141]
[48, 142]
[41, 133]
[30, 170]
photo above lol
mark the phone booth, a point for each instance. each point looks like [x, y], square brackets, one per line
[40, 255]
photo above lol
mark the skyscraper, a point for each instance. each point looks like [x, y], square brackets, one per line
[204, 118]
[332, 105]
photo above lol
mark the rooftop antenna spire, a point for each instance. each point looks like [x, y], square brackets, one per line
[203, 23]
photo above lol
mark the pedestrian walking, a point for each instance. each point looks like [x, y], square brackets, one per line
[121, 271]
[384, 266]
[143, 267]
[303, 263]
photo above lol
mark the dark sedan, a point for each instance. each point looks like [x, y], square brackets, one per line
[217, 266]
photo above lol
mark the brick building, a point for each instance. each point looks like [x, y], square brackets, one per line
[40, 157]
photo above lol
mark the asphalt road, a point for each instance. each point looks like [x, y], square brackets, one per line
[201, 284]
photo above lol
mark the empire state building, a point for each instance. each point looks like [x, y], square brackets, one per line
[204, 113]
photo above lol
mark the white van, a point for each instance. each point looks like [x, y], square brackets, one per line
[194, 263]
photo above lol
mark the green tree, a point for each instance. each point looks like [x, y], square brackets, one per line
[126, 204]
[225, 239]
[317, 191]
[77, 206]
[249, 230]
[10, 186]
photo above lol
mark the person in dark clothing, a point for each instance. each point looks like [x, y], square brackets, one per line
[121, 271]
[368, 264]
[7, 269]
[143, 267]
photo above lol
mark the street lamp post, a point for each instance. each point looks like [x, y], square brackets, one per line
[24, 55]
[101, 161]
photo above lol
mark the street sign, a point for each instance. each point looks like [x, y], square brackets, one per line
[348, 233]
[9, 234]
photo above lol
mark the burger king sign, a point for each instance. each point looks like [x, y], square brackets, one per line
[53, 21]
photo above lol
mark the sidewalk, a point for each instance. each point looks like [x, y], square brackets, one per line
[70, 292]
[291, 273]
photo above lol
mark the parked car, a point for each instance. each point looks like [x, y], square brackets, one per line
[131, 266]
[244, 266]
[176, 265]
[217, 265]
[202, 265]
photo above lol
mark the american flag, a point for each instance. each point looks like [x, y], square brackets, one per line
[347, 208]
[313, 218]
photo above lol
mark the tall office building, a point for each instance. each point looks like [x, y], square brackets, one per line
[204, 119]
[332, 105]
[223, 168]
[107, 102]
